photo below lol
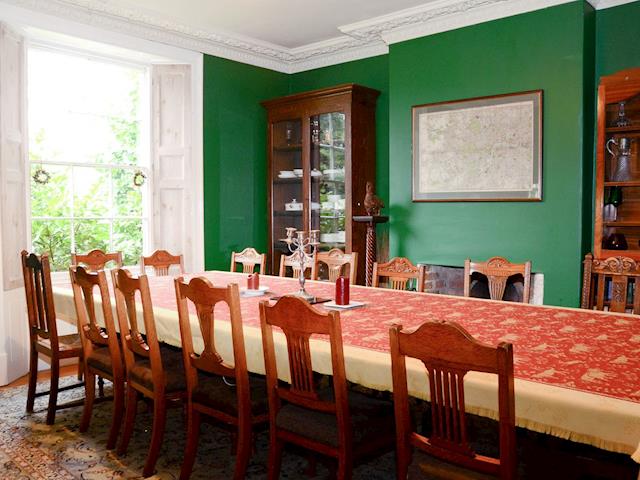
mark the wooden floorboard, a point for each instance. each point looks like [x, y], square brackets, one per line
[66, 371]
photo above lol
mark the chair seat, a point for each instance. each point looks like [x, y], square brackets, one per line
[425, 466]
[100, 359]
[67, 344]
[213, 392]
[173, 366]
[369, 416]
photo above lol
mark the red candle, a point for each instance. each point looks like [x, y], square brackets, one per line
[253, 282]
[342, 291]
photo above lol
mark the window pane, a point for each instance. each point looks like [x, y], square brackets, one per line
[83, 110]
[91, 234]
[127, 238]
[53, 237]
[52, 199]
[91, 192]
[127, 198]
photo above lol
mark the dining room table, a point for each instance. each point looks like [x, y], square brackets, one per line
[577, 372]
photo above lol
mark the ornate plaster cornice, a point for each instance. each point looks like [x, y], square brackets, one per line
[359, 40]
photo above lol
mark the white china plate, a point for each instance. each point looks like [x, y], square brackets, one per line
[352, 304]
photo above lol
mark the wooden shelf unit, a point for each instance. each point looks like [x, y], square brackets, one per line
[330, 130]
[623, 86]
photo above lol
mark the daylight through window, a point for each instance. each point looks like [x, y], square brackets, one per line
[87, 156]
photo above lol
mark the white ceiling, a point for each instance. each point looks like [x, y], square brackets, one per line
[283, 35]
[288, 23]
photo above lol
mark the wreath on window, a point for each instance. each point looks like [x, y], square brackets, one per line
[41, 176]
[139, 178]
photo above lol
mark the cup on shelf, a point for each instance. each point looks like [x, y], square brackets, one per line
[293, 206]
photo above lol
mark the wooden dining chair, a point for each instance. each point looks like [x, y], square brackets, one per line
[215, 388]
[611, 284]
[345, 426]
[102, 356]
[498, 270]
[337, 264]
[43, 334]
[153, 371]
[448, 352]
[249, 258]
[291, 262]
[397, 272]
[96, 259]
[161, 261]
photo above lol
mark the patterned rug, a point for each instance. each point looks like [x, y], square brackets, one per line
[30, 449]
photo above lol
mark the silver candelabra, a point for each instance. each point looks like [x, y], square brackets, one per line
[303, 246]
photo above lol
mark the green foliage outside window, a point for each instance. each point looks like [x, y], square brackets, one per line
[99, 192]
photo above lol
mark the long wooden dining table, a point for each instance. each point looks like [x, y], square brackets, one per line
[577, 372]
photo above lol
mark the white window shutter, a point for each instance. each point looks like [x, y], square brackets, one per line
[173, 182]
[14, 334]
[13, 155]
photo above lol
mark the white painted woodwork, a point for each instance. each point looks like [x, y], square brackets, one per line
[173, 176]
[14, 340]
[278, 34]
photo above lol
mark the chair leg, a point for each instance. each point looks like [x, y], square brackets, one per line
[80, 368]
[157, 434]
[53, 391]
[345, 467]
[89, 396]
[274, 462]
[191, 448]
[101, 387]
[243, 449]
[131, 408]
[33, 378]
[118, 412]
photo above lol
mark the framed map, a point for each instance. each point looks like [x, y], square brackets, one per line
[480, 149]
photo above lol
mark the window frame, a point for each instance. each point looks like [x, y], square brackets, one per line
[144, 154]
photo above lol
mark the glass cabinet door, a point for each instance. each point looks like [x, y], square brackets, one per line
[327, 176]
[287, 175]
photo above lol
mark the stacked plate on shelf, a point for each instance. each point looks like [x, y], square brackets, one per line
[286, 174]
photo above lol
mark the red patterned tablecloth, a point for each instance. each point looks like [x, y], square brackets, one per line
[571, 348]
[592, 356]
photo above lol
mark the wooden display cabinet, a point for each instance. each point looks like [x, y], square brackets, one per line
[321, 148]
[617, 201]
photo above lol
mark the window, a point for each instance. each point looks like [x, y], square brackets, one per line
[87, 146]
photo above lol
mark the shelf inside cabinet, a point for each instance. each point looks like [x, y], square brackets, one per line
[628, 183]
[293, 180]
[287, 148]
[623, 223]
[287, 213]
[630, 252]
[627, 129]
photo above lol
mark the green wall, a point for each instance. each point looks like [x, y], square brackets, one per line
[561, 50]
[618, 38]
[539, 50]
[235, 185]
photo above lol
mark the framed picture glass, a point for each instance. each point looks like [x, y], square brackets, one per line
[479, 149]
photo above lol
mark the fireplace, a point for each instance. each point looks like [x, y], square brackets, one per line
[444, 279]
